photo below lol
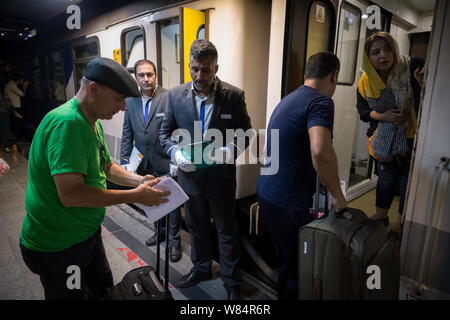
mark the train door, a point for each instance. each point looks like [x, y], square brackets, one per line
[310, 29]
[174, 37]
[356, 167]
[350, 138]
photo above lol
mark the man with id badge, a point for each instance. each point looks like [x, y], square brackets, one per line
[199, 107]
[140, 136]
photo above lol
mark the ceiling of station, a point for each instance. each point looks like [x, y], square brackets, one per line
[19, 17]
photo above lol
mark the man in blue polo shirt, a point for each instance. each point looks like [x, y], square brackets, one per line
[304, 119]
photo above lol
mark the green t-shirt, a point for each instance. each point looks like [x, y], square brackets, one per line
[64, 142]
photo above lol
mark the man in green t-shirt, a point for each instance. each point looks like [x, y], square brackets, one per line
[66, 194]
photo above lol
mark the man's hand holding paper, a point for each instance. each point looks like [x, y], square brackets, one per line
[149, 195]
[176, 197]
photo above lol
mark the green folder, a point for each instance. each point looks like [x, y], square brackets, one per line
[194, 153]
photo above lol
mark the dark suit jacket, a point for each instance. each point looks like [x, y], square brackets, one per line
[181, 113]
[145, 136]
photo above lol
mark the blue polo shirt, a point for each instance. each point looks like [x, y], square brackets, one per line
[293, 186]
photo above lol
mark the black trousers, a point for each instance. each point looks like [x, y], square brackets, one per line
[58, 275]
[283, 225]
[221, 207]
[174, 228]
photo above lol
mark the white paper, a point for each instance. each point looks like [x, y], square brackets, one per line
[176, 198]
[135, 160]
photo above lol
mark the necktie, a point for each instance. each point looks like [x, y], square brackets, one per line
[146, 111]
[202, 116]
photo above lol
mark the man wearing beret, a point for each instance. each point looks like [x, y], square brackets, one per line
[66, 194]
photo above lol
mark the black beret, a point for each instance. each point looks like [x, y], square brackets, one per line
[111, 74]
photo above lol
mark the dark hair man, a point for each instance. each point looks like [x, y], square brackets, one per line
[304, 119]
[217, 105]
[66, 194]
[142, 121]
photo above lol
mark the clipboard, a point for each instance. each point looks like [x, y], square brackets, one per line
[195, 152]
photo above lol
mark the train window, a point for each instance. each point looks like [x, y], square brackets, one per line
[83, 52]
[35, 62]
[36, 86]
[169, 53]
[55, 76]
[132, 46]
[318, 28]
[201, 32]
[348, 42]
[36, 83]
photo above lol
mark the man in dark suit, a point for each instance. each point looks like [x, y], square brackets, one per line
[143, 117]
[203, 104]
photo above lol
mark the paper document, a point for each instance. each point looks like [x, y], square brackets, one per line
[135, 160]
[176, 198]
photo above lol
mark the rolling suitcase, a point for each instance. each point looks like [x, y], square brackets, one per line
[144, 283]
[348, 256]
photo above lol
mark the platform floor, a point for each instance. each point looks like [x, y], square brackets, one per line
[124, 232]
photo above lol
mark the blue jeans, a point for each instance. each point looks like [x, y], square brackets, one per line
[392, 175]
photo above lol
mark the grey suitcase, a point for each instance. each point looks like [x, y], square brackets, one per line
[348, 256]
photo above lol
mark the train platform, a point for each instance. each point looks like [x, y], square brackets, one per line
[124, 232]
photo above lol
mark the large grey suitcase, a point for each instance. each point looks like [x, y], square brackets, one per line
[348, 256]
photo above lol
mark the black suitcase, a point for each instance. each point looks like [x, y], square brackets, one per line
[349, 257]
[144, 283]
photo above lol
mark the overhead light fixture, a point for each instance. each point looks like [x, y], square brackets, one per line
[365, 16]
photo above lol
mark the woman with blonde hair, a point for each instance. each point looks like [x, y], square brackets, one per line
[388, 98]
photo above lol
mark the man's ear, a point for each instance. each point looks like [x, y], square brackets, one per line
[217, 68]
[334, 77]
[92, 90]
